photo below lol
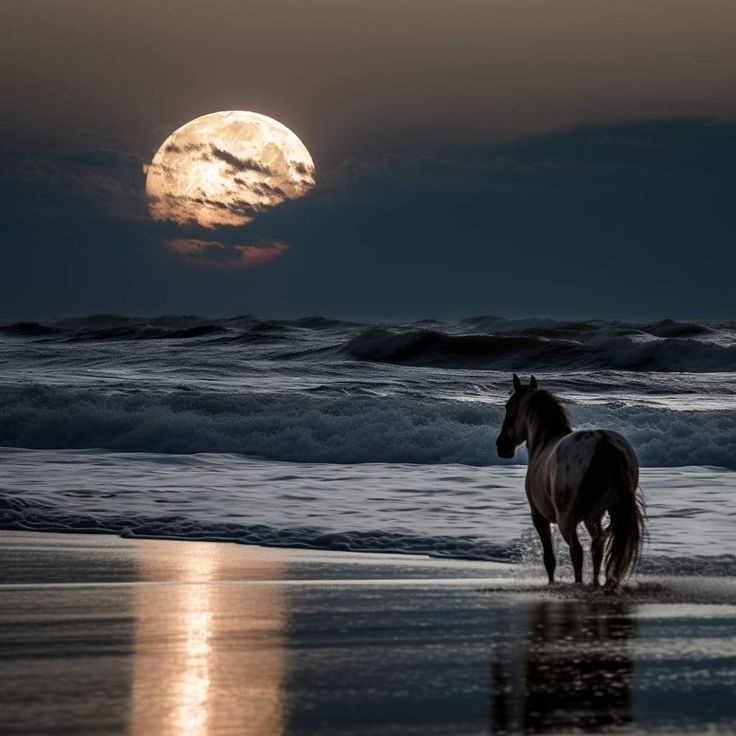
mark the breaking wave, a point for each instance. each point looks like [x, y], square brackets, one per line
[312, 427]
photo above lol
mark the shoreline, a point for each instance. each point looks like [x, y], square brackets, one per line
[441, 510]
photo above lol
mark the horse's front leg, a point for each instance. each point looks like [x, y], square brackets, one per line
[545, 534]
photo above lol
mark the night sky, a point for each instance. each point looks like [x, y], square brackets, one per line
[524, 157]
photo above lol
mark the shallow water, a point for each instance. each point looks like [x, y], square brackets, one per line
[443, 510]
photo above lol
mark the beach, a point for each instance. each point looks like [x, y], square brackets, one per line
[103, 635]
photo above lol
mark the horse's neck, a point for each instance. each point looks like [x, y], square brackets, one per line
[537, 446]
[539, 439]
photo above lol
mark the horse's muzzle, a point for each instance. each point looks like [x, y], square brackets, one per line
[505, 448]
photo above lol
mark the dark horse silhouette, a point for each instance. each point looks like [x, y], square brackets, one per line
[573, 477]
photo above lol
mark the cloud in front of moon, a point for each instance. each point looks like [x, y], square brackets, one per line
[226, 167]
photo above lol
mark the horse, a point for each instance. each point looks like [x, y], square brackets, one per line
[575, 476]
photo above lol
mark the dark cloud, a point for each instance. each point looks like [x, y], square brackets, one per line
[104, 183]
[236, 206]
[261, 188]
[270, 191]
[302, 168]
[239, 164]
[174, 148]
[102, 158]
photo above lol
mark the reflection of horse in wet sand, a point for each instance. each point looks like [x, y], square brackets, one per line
[575, 671]
[574, 477]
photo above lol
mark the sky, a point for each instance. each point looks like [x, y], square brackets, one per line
[524, 157]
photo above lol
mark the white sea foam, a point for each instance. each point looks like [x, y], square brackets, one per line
[338, 429]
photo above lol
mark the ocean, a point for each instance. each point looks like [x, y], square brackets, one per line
[347, 435]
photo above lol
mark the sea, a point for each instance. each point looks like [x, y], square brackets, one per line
[357, 436]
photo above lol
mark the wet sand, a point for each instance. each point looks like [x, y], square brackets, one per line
[102, 635]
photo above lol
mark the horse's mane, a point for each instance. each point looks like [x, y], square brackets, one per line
[549, 414]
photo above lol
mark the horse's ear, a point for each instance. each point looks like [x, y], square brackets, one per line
[533, 383]
[517, 383]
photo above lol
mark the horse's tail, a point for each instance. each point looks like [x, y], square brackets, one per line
[625, 533]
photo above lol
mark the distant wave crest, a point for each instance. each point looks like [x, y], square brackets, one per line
[491, 343]
[671, 348]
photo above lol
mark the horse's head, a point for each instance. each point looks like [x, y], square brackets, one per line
[514, 428]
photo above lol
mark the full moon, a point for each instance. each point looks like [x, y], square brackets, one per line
[226, 167]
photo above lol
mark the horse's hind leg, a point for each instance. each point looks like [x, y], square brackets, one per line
[545, 535]
[570, 534]
[596, 548]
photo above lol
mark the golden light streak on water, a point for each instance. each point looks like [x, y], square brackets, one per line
[209, 657]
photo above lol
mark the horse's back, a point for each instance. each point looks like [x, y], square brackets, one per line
[575, 480]
[575, 451]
